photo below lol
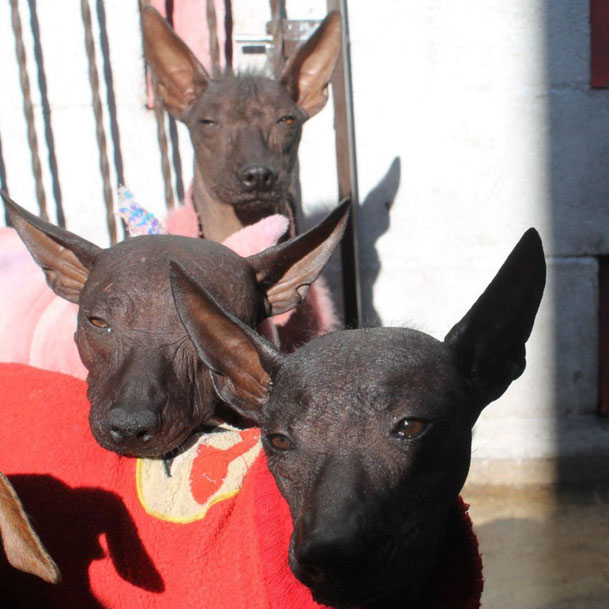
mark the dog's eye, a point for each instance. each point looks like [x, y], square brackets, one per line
[207, 122]
[287, 120]
[409, 428]
[278, 441]
[98, 322]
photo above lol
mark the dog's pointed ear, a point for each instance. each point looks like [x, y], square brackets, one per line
[286, 271]
[239, 359]
[65, 258]
[180, 77]
[308, 72]
[489, 342]
[22, 546]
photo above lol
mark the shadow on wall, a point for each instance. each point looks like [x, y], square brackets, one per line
[578, 184]
[373, 222]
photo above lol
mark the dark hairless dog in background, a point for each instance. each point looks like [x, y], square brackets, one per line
[245, 129]
[147, 387]
[368, 432]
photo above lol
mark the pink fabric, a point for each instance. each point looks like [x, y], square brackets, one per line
[36, 326]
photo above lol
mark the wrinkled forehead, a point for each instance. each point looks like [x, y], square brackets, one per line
[135, 274]
[244, 98]
[352, 373]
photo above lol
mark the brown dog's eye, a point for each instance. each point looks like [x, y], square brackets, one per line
[278, 441]
[287, 120]
[99, 323]
[207, 122]
[409, 428]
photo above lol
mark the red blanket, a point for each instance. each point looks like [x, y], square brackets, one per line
[213, 535]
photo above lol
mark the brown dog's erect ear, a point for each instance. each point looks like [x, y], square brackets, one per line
[239, 359]
[65, 258]
[21, 544]
[308, 72]
[285, 272]
[180, 78]
[489, 342]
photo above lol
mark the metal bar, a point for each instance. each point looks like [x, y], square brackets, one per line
[4, 184]
[46, 113]
[347, 170]
[159, 115]
[228, 42]
[278, 16]
[176, 157]
[110, 96]
[28, 108]
[214, 47]
[99, 120]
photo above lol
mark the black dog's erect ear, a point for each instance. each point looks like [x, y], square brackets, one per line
[489, 342]
[308, 72]
[239, 359]
[285, 271]
[180, 77]
[65, 258]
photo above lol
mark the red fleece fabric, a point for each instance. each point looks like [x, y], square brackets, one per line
[84, 503]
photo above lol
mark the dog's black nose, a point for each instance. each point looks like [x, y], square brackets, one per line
[259, 177]
[329, 558]
[138, 426]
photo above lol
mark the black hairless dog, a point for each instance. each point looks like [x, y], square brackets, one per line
[368, 432]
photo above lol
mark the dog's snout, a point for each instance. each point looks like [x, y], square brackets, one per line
[259, 177]
[334, 555]
[133, 427]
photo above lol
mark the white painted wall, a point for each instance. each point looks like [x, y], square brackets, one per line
[477, 113]
[488, 108]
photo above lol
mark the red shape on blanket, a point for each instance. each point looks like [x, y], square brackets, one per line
[84, 502]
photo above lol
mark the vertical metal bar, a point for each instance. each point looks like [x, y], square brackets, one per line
[104, 45]
[278, 16]
[177, 159]
[214, 48]
[347, 170]
[28, 108]
[46, 113]
[99, 120]
[159, 115]
[603, 338]
[228, 43]
[4, 183]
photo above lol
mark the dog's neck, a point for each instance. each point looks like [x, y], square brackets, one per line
[219, 220]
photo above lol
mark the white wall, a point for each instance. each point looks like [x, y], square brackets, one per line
[487, 106]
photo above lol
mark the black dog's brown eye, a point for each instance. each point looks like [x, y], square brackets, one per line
[409, 428]
[287, 120]
[99, 323]
[279, 441]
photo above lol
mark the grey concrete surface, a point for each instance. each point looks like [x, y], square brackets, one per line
[542, 549]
